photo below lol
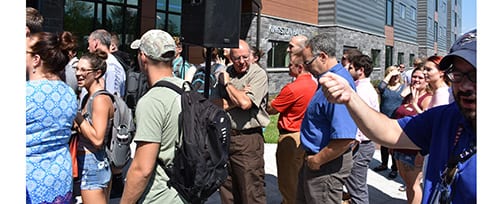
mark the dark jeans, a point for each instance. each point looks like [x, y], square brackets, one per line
[245, 183]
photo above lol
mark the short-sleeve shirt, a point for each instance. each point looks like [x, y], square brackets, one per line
[434, 131]
[367, 92]
[325, 121]
[157, 116]
[256, 116]
[390, 99]
[292, 101]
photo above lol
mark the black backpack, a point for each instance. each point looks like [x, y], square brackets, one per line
[198, 81]
[118, 139]
[136, 85]
[199, 166]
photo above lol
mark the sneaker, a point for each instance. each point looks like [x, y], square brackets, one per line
[393, 174]
[380, 168]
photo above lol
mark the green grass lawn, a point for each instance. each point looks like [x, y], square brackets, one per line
[271, 131]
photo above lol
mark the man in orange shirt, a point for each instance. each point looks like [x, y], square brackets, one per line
[291, 103]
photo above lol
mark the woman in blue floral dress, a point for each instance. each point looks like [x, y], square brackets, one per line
[51, 106]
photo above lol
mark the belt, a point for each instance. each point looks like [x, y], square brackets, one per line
[246, 131]
[284, 131]
[313, 153]
[366, 141]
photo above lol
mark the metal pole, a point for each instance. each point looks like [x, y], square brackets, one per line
[208, 67]
[258, 23]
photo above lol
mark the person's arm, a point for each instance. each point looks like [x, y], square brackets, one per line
[140, 171]
[270, 109]
[374, 125]
[237, 97]
[190, 73]
[101, 108]
[333, 150]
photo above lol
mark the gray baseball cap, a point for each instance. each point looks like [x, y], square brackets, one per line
[464, 47]
[154, 44]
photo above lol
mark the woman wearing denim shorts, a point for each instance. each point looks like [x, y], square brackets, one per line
[410, 162]
[93, 124]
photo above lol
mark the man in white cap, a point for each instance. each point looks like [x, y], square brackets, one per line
[156, 121]
[446, 133]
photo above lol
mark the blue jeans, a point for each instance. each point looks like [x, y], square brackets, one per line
[95, 170]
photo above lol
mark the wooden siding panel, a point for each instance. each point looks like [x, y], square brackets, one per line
[297, 10]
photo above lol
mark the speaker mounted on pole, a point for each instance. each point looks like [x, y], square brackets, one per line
[211, 23]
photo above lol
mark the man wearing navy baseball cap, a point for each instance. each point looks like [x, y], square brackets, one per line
[446, 133]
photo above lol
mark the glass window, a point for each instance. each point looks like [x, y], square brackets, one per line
[114, 21]
[376, 59]
[175, 6]
[430, 24]
[402, 10]
[400, 58]
[132, 2]
[388, 56]
[277, 55]
[411, 60]
[168, 16]
[79, 20]
[161, 5]
[116, 1]
[435, 32]
[389, 12]
[174, 26]
[160, 21]
[413, 13]
[81, 17]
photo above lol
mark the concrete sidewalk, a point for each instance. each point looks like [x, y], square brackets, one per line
[382, 190]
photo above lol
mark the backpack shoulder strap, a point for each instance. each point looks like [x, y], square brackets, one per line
[91, 99]
[163, 83]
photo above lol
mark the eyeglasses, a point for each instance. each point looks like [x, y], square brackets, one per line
[83, 69]
[457, 76]
[245, 58]
[308, 63]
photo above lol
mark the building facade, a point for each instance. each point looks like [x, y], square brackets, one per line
[390, 31]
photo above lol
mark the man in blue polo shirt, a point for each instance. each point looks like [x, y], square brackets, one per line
[447, 133]
[327, 132]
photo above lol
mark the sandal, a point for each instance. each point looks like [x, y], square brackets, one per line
[380, 168]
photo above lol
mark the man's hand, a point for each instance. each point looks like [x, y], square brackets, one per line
[336, 89]
[312, 163]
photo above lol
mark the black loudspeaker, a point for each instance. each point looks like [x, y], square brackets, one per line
[211, 23]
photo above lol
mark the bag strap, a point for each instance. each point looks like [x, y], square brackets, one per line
[90, 100]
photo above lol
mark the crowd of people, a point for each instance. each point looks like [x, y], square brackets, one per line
[330, 120]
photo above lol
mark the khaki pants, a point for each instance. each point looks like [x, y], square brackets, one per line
[289, 157]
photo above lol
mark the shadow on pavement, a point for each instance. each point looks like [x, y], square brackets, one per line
[271, 188]
[378, 197]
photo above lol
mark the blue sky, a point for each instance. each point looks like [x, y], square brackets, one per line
[469, 15]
